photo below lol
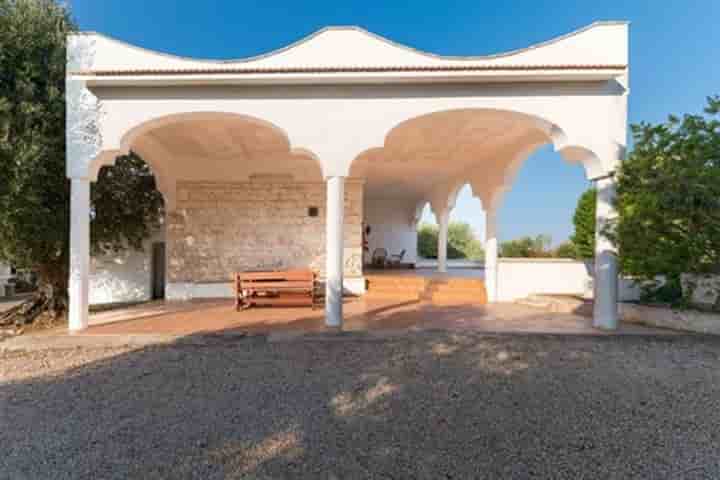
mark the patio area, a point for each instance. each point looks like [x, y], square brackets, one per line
[362, 314]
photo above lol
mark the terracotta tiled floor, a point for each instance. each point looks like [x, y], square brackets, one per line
[360, 314]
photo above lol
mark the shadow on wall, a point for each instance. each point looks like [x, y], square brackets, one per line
[123, 278]
[426, 405]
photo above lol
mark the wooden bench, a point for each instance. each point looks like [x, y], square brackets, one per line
[291, 287]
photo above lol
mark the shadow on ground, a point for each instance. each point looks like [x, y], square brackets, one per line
[424, 405]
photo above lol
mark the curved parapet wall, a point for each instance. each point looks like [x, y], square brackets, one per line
[600, 46]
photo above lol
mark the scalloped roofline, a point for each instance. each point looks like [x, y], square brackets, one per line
[359, 29]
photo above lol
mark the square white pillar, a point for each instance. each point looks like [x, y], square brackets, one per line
[605, 313]
[334, 248]
[78, 283]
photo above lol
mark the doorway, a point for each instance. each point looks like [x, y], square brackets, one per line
[158, 270]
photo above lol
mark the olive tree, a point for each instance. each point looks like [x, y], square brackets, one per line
[34, 192]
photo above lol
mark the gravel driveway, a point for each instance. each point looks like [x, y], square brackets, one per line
[426, 405]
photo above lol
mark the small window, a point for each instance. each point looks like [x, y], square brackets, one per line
[313, 211]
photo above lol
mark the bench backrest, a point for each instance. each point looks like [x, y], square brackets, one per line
[287, 275]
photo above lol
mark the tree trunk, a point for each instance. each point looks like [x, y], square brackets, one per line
[51, 297]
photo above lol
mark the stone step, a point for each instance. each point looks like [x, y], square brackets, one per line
[399, 286]
[445, 299]
[397, 291]
[396, 281]
[392, 296]
[557, 303]
[458, 282]
[453, 291]
[457, 289]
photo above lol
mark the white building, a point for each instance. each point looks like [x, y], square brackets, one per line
[276, 161]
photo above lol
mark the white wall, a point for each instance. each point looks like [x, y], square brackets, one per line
[520, 277]
[390, 221]
[123, 278]
[5, 275]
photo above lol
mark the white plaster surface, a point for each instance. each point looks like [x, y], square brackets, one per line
[598, 44]
[518, 278]
[393, 227]
[123, 278]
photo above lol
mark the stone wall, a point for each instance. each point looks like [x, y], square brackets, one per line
[220, 228]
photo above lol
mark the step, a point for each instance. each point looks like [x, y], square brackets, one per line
[391, 296]
[556, 303]
[419, 286]
[459, 293]
[458, 299]
[457, 284]
[396, 281]
[449, 289]
[397, 291]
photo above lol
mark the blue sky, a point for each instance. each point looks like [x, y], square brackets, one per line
[674, 60]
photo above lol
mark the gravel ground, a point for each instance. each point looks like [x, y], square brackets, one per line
[426, 405]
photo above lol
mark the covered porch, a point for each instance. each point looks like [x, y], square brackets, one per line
[279, 161]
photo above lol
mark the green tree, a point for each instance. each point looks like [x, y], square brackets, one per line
[669, 198]
[526, 247]
[427, 235]
[584, 221]
[462, 242]
[34, 193]
[565, 250]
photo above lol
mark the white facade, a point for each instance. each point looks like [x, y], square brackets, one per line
[411, 127]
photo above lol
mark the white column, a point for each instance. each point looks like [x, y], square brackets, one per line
[491, 255]
[78, 284]
[443, 220]
[605, 314]
[334, 247]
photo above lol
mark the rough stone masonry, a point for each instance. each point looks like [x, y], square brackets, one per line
[219, 228]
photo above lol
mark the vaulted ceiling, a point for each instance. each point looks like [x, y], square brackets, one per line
[418, 156]
[443, 147]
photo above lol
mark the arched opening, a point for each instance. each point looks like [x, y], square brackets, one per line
[238, 196]
[534, 208]
[128, 232]
[466, 232]
[428, 158]
[466, 157]
[221, 147]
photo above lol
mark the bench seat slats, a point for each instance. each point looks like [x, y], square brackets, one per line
[292, 287]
